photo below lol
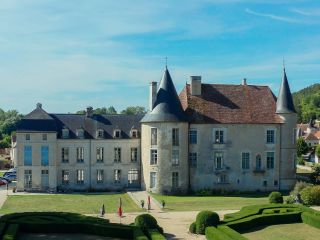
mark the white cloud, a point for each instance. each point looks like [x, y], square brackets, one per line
[307, 11]
[272, 16]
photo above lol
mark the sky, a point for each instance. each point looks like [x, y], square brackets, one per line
[72, 54]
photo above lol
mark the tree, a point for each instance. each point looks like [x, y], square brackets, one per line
[134, 110]
[315, 175]
[318, 151]
[103, 111]
[111, 110]
[302, 147]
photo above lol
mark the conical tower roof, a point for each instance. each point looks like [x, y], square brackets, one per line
[167, 106]
[285, 101]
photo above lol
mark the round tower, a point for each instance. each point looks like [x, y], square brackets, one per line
[286, 110]
[164, 141]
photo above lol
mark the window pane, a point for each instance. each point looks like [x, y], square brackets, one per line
[153, 176]
[193, 160]
[44, 155]
[153, 157]
[175, 137]
[154, 136]
[175, 157]
[193, 136]
[27, 155]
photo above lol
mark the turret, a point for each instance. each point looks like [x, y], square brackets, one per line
[165, 142]
[286, 110]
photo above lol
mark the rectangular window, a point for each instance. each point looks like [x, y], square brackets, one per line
[27, 136]
[175, 136]
[65, 133]
[27, 179]
[270, 136]
[245, 162]
[80, 176]
[117, 176]
[134, 133]
[117, 154]
[175, 157]
[193, 136]
[133, 176]
[134, 154]
[45, 179]
[117, 133]
[270, 160]
[100, 134]
[44, 137]
[44, 155]
[175, 180]
[153, 178]
[27, 155]
[99, 176]
[153, 157]
[193, 159]
[154, 136]
[65, 155]
[99, 154]
[219, 136]
[80, 154]
[65, 177]
[222, 178]
[218, 160]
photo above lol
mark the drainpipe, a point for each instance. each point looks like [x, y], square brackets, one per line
[189, 177]
[90, 140]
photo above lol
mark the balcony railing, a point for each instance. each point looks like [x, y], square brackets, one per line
[259, 170]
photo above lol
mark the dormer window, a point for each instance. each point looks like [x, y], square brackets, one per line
[134, 133]
[65, 133]
[80, 133]
[99, 133]
[117, 133]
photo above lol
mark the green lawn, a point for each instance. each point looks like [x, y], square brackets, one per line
[193, 203]
[78, 203]
[295, 231]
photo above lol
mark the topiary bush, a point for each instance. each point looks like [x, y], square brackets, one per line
[205, 219]
[311, 195]
[145, 222]
[275, 197]
[192, 228]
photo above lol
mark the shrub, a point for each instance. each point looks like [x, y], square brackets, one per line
[291, 199]
[204, 192]
[145, 222]
[155, 235]
[192, 228]
[205, 219]
[301, 161]
[311, 195]
[299, 187]
[275, 197]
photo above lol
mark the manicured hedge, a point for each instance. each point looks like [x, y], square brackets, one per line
[2, 228]
[147, 222]
[11, 232]
[231, 233]
[275, 197]
[212, 233]
[193, 227]
[206, 219]
[311, 219]
[265, 219]
[255, 210]
[67, 223]
[155, 235]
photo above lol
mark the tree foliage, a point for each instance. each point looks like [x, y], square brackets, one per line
[302, 147]
[318, 151]
[8, 124]
[315, 175]
[134, 110]
[307, 103]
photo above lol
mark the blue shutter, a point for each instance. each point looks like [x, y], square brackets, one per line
[44, 155]
[27, 155]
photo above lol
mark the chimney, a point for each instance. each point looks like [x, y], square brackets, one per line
[244, 81]
[89, 111]
[39, 105]
[195, 85]
[153, 94]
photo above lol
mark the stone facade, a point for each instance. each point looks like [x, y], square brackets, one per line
[210, 137]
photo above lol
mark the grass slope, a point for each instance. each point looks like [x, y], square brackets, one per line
[193, 203]
[77, 203]
[295, 231]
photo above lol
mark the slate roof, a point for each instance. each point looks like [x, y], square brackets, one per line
[230, 104]
[285, 101]
[167, 106]
[56, 122]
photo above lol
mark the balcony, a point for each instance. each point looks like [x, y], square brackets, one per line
[259, 170]
[224, 168]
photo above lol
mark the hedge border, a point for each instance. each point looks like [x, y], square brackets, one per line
[253, 216]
